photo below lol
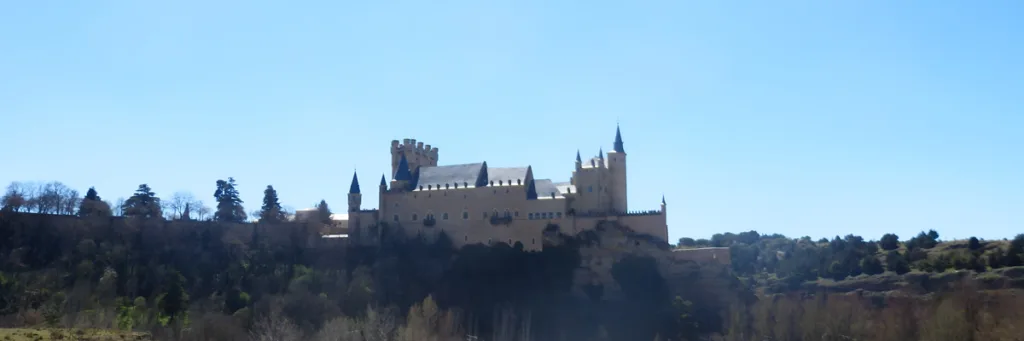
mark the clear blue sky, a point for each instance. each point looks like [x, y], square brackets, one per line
[799, 117]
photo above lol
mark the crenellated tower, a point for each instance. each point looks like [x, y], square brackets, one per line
[416, 154]
[617, 173]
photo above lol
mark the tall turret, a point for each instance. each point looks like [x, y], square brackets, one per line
[417, 154]
[355, 201]
[355, 198]
[402, 176]
[617, 169]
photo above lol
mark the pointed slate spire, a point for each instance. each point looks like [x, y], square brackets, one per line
[618, 141]
[578, 158]
[383, 182]
[662, 199]
[354, 189]
[531, 190]
[403, 174]
[600, 153]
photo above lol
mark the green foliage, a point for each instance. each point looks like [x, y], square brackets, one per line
[229, 204]
[323, 212]
[271, 210]
[870, 265]
[973, 244]
[143, 204]
[896, 262]
[889, 242]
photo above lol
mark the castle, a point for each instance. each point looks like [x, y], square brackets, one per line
[474, 203]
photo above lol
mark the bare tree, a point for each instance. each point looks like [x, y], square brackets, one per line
[14, 199]
[176, 205]
[200, 209]
[118, 207]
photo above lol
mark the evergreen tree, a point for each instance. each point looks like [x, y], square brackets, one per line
[323, 212]
[229, 204]
[174, 303]
[143, 204]
[889, 242]
[895, 262]
[973, 244]
[187, 212]
[271, 211]
[93, 206]
[871, 265]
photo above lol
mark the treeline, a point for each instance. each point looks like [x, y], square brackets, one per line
[56, 198]
[793, 261]
[188, 279]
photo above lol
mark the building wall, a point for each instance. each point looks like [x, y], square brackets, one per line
[478, 204]
[653, 224]
[617, 181]
[707, 255]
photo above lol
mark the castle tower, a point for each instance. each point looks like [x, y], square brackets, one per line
[355, 201]
[416, 154]
[402, 177]
[617, 169]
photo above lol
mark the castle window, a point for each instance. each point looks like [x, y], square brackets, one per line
[396, 218]
[519, 181]
[456, 185]
[488, 241]
[517, 214]
[465, 215]
[533, 240]
[485, 215]
[590, 188]
[396, 204]
[559, 215]
[508, 213]
[444, 216]
[501, 182]
[466, 238]
[509, 242]
[429, 187]
[465, 184]
[530, 216]
[414, 216]
[445, 186]
[492, 182]
[421, 187]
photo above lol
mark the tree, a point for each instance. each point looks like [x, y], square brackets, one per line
[933, 235]
[229, 205]
[119, 207]
[14, 199]
[271, 210]
[143, 204]
[174, 303]
[689, 242]
[895, 262]
[200, 209]
[186, 214]
[871, 265]
[323, 212]
[93, 206]
[973, 244]
[178, 202]
[889, 242]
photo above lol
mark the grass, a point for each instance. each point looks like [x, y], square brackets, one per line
[52, 334]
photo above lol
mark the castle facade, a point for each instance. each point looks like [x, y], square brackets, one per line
[474, 203]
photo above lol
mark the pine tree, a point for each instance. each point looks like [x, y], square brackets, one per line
[323, 212]
[186, 213]
[229, 205]
[143, 204]
[271, 211]
[93, 206]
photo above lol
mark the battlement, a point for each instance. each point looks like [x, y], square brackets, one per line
[416, 148]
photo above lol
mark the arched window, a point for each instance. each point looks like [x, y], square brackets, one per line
[517, 214]
[414, 216]
[530, 216]
[465, 215]
[396, 218]
[590, 188]
[444, 216]
[508, 213]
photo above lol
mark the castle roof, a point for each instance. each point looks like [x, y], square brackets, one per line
[545, 187]
[354, 189]
[565, 187]
[507, 175]
[618, 148]
[468, 173]
[403, 173]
